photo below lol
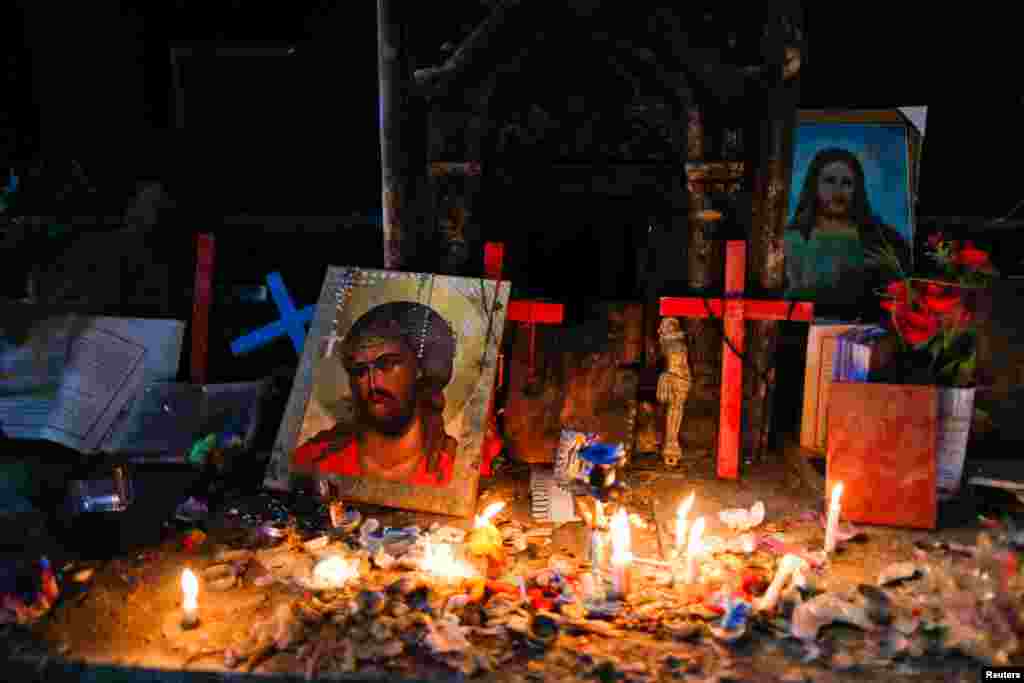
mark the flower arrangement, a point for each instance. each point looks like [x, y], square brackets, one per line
[934, 315]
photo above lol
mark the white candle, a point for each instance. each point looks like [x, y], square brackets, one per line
[190, 602]
[832, 524]
[681, 524]
[693, 550]
[598, 539]
[788, 565]
[622, 555]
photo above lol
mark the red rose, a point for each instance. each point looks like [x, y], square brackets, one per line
[941, 303]
[919, 318]
[897, 290]
[970, 256]
[915, 327]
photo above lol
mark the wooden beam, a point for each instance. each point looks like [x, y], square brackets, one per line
[395, 183]
[771, 183]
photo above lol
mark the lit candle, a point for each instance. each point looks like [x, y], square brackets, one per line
[693, 550]
[485, 544]
[622, 556]
[189, 603]
[833, 518]
[787, 565]
[598, 538]
[681, 524]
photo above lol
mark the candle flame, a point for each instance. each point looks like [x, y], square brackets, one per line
[190, 587]
[621, 550]
[489, 512]
[837, 492]
[681, 514]
[686, 505]
[335, 571]
[696, 531]
[439, 560]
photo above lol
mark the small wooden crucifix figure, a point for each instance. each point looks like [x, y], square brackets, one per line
[673, 386]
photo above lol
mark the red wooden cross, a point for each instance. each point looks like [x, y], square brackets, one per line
[733, 309]
[533, 313]
[202, 296]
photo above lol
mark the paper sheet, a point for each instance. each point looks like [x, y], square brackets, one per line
[549, 501]
[65, 378]
[917, 115]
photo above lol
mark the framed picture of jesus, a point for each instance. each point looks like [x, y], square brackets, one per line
[854, 174]
[389, 402]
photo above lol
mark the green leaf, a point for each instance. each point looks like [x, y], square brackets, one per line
[950, 368]
[970, 363]
[965, 375]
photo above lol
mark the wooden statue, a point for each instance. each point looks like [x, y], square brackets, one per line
[673, 386]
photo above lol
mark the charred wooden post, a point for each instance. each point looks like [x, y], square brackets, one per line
[772, 181]
[394, 88]
[705, 271]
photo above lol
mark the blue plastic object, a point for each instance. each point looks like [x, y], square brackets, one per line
[292, 323]
[736, 615]
[603, 453]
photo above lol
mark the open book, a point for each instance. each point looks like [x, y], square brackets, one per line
[65, 377]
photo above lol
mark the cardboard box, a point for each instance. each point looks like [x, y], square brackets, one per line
[882, 444]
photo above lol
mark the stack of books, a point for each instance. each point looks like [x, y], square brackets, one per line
[837, 351]
[861, 352]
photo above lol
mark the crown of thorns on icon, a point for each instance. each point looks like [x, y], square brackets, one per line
[422, 329]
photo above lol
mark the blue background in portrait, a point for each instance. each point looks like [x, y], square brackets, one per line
[883, 152]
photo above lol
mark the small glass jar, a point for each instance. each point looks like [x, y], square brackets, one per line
[108, 489]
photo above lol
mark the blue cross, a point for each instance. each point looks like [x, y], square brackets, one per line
[292, 322]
